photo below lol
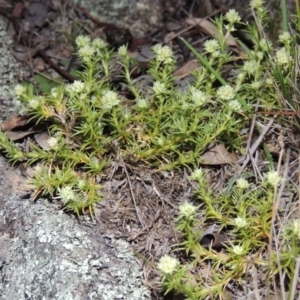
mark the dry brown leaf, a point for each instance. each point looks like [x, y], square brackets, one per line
[209, 28]
[218, 155]
[16, 135]
[186, 69]
[214, 240]
[41, 139]
[13, 122]
[22, 53]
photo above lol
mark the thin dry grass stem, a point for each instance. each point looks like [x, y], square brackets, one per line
[277, 197]
[256, 145]
[255, 281]
[131, 189]
[295, 280]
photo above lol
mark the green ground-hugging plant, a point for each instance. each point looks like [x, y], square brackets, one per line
[245, 214]
[260, 246]
[166, 125]
[169, 125]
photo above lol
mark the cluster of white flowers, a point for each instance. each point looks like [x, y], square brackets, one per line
[34, 103]
[168, 264]
[242, 184]
[81, 183]
[232, 16]
[110, 99]
[161, 141]
[163, 54]
[87, 48]
[142, 103]
[234, 105]
[255, 85]
[85, 52]
[256, 4]
[82, 40]
[283, 57]
[265, 45]
[122, 51]
[240, 222]
[76, 87]
[187, 209]
[197, 174]
[198, 97]
[99, 44]
[295, 227]
[273, 178]
[159, 88]
[238, 250]
[66, 193]
[250, 66]
[20, 90]
[52, 142]
[285, 37]
[211, 46]
[225, 92]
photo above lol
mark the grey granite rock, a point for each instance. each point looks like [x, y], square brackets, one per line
[139, 16]
[45, 253]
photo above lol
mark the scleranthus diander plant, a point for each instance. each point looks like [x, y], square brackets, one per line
[244, 216]
[89, 122]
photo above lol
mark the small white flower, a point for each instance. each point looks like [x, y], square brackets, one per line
[197, 174]
[256, 85]
[52, 142]
[54, 92]
[240, 222]
[269, 81]
[167, 264]
[20, 90]
[198, 97]
[256, 3]
[98, 43]
[265, 45]
[187, 209]
[283, 57]
[82, 40]
[211, 46]
[242, 184]
[259, 55]
[75, 88]
[234, 105]
[81, 184]
[285, 37]
[110, 99]
[142, 103]
[295, 227]
[122, 51]
[126, 114]
[86, 52]
[232, 16]
[66, 193]
[163, 53]
[250, 66]
[159, 88]
[238, 250]
[225, 92]
[34, 103]
[185, 105]
[161, 141]
[273, 178]
[216, 54]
